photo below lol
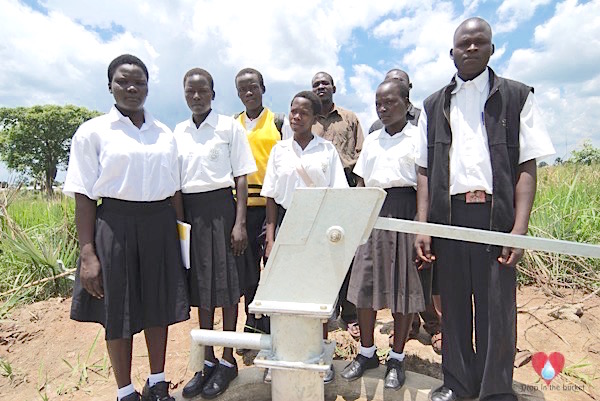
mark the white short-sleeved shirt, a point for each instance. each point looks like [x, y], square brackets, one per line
[112, 158]
[388, 161]
[286, 129]
[211, 155]
[470, 164]
[319, 159]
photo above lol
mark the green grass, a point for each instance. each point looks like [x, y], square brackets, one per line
[567, 207]
[37, 240]
[36, 233]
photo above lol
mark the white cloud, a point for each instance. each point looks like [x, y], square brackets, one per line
[564, 67]
[511, 13]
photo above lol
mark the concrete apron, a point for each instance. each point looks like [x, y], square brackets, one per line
[248, 386]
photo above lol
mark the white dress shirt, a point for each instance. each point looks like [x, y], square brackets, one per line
[470, 164]
[387, 161]
[211, 155]
[112, 158]
[319, 159]
[286, 129]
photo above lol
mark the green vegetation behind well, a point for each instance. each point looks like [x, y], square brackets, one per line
[38, 233]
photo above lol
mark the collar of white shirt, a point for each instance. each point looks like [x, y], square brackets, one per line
[316, 141]
[480, 81]
[115, 115]
[405, 131]
[211, 119]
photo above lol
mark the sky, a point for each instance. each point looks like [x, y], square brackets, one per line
[57, 52]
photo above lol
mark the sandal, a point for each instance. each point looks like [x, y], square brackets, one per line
[354, 330]
[436, 343]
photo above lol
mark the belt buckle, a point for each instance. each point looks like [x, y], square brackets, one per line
[475, 197]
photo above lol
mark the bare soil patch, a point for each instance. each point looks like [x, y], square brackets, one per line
[46, 356]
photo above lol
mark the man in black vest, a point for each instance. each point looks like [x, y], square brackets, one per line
[480, 136]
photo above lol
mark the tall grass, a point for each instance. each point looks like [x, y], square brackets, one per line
[35, 234]
[37, 241]
[567, 207]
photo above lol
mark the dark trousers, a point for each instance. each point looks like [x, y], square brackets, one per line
[471, 280]
[255, 220]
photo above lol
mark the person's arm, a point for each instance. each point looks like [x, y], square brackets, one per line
[360, 182]
[524, 196]
[239, 235]
[90, 271]
[423, 242]
[271, 222]
[177, 202]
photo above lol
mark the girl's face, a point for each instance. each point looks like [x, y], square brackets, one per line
[129, 87]
[302, 116]
[198, 94]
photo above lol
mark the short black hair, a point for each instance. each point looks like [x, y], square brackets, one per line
[486, 26]
[395, 71]
[328, 75]
[125, 59]
[314, 100]
[201, 72]
[401, 86]
[248, 70]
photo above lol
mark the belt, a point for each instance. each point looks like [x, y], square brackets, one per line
[473, 197]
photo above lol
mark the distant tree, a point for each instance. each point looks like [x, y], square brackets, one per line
[542, 164]
[558, 161]
[587, 155]
[36, 140]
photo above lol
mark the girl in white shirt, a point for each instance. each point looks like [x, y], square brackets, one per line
[306, 160]
[130, 275]
[214, 156]
[384, 274]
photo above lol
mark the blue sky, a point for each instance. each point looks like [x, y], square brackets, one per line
[57, 51]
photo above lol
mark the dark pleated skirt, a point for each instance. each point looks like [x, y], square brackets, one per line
[217, 277]
[142, 272]
[384, 274]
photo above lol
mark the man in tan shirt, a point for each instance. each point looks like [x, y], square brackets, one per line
[342, 128]
[338, 125]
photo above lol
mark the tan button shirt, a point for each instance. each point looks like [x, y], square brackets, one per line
[342, 128]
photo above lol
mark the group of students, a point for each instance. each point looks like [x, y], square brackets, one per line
[470, 161]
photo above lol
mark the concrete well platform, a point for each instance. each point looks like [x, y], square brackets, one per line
[249, 387]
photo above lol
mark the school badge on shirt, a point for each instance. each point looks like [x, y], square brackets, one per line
[213, 154]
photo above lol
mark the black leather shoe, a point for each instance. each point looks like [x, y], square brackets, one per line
[135, 396]
[357, 367]
[219, 381]
[443, 394]
[194, 386]
[158, 392]
[394, 374]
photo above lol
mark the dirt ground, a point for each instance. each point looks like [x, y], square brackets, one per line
[46, 356]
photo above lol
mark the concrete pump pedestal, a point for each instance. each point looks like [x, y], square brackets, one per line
[248, 386]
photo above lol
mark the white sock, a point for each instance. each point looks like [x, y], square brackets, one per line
[226, 363]
[368, 352]
[125, 391]
[208, 363]
[395, 355]
[156, 378]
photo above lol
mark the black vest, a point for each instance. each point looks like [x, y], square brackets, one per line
[502, 120]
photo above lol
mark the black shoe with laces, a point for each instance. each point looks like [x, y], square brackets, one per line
[195, 385]
[357, 367]
[394, 374]
[158, 392]
[219, 381]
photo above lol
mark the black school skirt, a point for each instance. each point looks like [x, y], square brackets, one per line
[217, 277]
[142, 272]
[384, 274]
